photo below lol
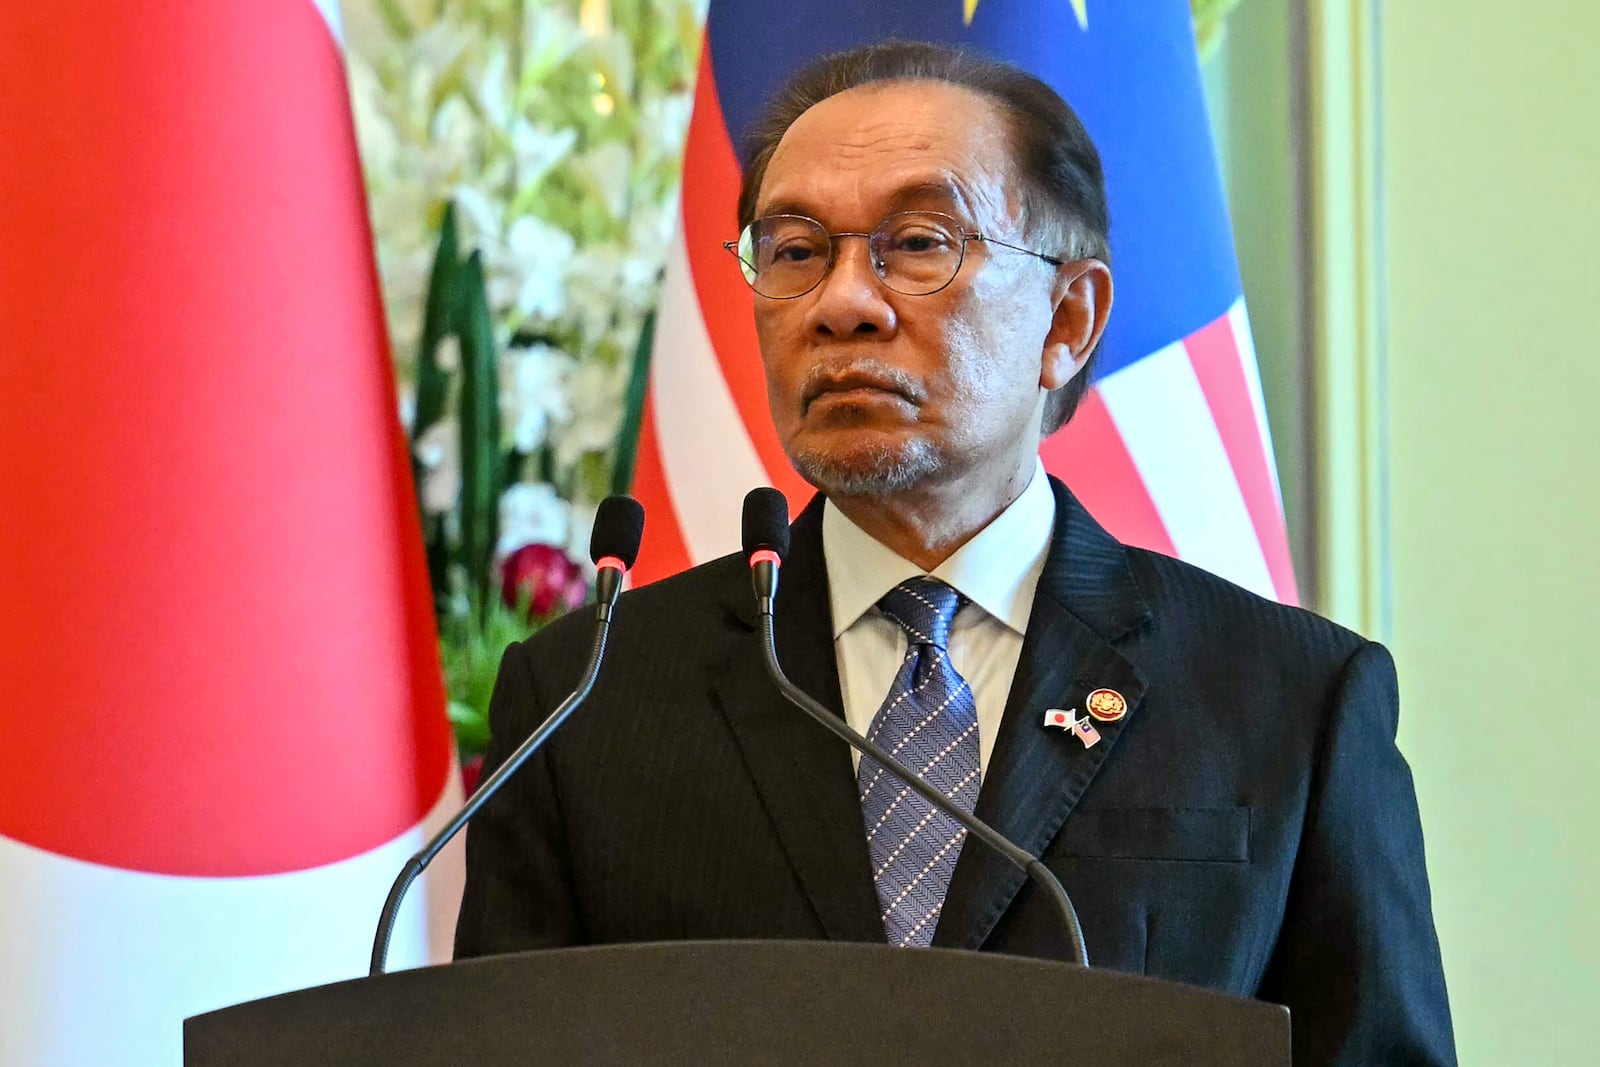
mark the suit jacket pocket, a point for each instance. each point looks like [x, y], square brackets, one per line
[1214, 835]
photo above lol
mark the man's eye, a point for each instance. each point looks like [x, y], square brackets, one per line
[793, 253]
[920, 241]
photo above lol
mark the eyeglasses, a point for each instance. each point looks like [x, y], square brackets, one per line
[916, 253]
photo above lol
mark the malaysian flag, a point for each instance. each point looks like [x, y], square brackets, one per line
[1084, 730]
[1170, 450]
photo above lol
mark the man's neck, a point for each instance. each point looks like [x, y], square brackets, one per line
[927, 524]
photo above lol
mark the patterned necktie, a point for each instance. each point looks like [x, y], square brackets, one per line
[929, 722]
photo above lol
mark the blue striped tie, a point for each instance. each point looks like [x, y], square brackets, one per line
[930, 723]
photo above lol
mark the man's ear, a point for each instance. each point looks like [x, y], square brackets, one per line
[1081, 299]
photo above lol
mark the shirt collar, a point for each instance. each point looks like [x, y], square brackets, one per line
[997, 570]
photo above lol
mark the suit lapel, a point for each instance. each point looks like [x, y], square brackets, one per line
[1085, 601]
[803, 775]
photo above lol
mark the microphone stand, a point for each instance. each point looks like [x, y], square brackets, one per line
[608, 586]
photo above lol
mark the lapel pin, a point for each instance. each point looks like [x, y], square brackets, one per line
[1107, 705]
[1084, 730]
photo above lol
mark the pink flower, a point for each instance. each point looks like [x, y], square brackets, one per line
[471, 773]
[545, 577]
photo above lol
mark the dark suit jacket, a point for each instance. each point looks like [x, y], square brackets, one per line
[1249, 825]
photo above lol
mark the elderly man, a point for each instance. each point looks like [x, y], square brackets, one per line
[925, 233]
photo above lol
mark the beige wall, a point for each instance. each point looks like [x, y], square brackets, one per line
[1435, 192]
[1490, 176]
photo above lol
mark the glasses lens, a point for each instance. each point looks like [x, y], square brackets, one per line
[783, 255]
[917, 252]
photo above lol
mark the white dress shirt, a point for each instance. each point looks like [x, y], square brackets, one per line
[997, 571]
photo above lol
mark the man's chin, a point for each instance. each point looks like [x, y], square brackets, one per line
[866, 469]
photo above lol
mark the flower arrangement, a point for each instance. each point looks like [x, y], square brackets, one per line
[522, 161]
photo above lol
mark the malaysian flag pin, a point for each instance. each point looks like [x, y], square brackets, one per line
[1084, 730]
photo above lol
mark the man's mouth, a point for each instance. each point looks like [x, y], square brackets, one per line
[860, 384]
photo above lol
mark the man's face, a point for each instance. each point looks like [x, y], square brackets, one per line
[873, 391]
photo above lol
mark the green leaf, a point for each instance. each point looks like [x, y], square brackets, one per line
[481, 468]
[471, 728]
[544, 464]
[432, 386]
[633, 409]
[473, 646]
[394, 17]
[436, 546]
[443, 286]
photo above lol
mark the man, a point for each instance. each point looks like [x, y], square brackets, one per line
[1221, 794]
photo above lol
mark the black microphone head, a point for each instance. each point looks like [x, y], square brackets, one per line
[766, 522]
[618, 529]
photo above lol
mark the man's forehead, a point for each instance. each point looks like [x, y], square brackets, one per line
[900, 145]
[937, 190]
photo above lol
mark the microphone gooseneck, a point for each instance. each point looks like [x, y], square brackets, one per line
[614, 547]
[765, 547]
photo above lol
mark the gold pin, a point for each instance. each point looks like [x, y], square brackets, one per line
[1107, 705]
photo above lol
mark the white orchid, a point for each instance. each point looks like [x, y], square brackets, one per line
[607, 172]
[534, 260]
[448, 354]
[550, 40]
[532, 513]
[439, 452]
[536, 149]
[596, 408]
[534, 393]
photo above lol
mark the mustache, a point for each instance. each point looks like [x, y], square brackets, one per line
[860, 374]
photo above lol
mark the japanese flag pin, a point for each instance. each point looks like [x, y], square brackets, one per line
[1057, 717]
[1107, 705]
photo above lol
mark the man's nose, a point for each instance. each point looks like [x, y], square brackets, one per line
[851, 299]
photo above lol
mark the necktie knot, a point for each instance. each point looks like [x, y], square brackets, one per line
[924, 607]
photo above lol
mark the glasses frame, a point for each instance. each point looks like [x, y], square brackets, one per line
[877, 268]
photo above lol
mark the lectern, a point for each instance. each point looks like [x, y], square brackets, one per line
[745, 1003]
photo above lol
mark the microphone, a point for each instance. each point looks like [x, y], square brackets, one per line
[764, 528]
[614, 547]
[766, 542]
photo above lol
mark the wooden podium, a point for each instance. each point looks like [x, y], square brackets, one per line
[746, 1003]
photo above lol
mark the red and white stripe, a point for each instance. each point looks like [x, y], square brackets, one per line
[1171, 453]
[222, 720]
